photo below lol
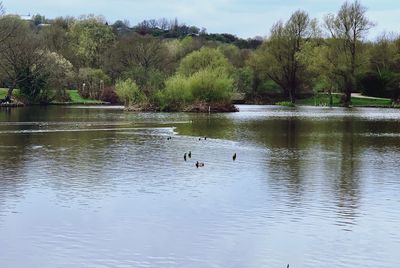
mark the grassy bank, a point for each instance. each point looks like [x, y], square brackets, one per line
[3, 93]
[323, 100]
[74, 96]
[77, 99]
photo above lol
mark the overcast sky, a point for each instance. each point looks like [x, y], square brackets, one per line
[245, 18]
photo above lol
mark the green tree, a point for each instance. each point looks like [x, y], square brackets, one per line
[205, 58]
[203, 76]
[90, 38]
[129, 92]
[347, 29]
[92, 82]
[144, 59]
[277, 57]
[22, 61]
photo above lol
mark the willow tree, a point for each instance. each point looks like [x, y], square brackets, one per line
[278, 55]
[347, 30]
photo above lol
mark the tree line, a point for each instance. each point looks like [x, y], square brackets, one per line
[165, 64]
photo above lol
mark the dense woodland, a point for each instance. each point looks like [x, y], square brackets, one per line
[168, 65]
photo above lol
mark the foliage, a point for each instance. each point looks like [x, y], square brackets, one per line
[129, 92]
[149, 80]
[210, 86]
[91, 37]
[244, 80]
[59, 75]
[383, 84]
[203, 86]
[175, 64]
[109, 95]
[177, 94]
[205, 58]
[92, 82]
[285, 103]
[347, 29]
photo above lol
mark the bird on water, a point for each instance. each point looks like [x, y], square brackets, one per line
[190, 154]
[234, 157]
[199, 164]
[184, 156]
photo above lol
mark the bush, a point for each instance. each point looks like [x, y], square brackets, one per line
[109, 95]
[129, 92]
[210, 86]
[384, 84]
[149, 80]
[204, 86]
[177, 94]
[91, 82]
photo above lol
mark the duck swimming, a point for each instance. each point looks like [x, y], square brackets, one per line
[199, 164]
[184, 156]
[190, 154]
[234, 157]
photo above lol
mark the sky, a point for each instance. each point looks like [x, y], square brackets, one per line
[244, 18]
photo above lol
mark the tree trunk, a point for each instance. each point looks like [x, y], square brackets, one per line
[347, 94]
[10, 91]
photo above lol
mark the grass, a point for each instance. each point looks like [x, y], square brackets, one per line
[76, 98]
[3, 92]
[285, 103]
[73, 94]
[370, 102]
[323, 100]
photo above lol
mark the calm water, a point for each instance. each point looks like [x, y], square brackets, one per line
[98, 187]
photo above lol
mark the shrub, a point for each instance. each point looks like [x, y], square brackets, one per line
[176, 94]
[149, 80]
[129, 92]
[203, 86]
[384, 84]
[210, 86]
[109, 95]
[91, 82]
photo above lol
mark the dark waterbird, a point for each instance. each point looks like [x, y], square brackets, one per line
[234, 157]
[190, 154]
[199, 164]
[184, 156]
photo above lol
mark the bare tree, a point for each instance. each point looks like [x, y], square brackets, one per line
[348, 28]
[2, 9]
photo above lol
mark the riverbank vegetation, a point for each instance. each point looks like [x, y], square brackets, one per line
[164, 65]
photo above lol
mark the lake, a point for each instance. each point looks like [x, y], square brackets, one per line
[98, 187]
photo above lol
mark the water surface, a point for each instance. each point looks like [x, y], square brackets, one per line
[99, 187]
